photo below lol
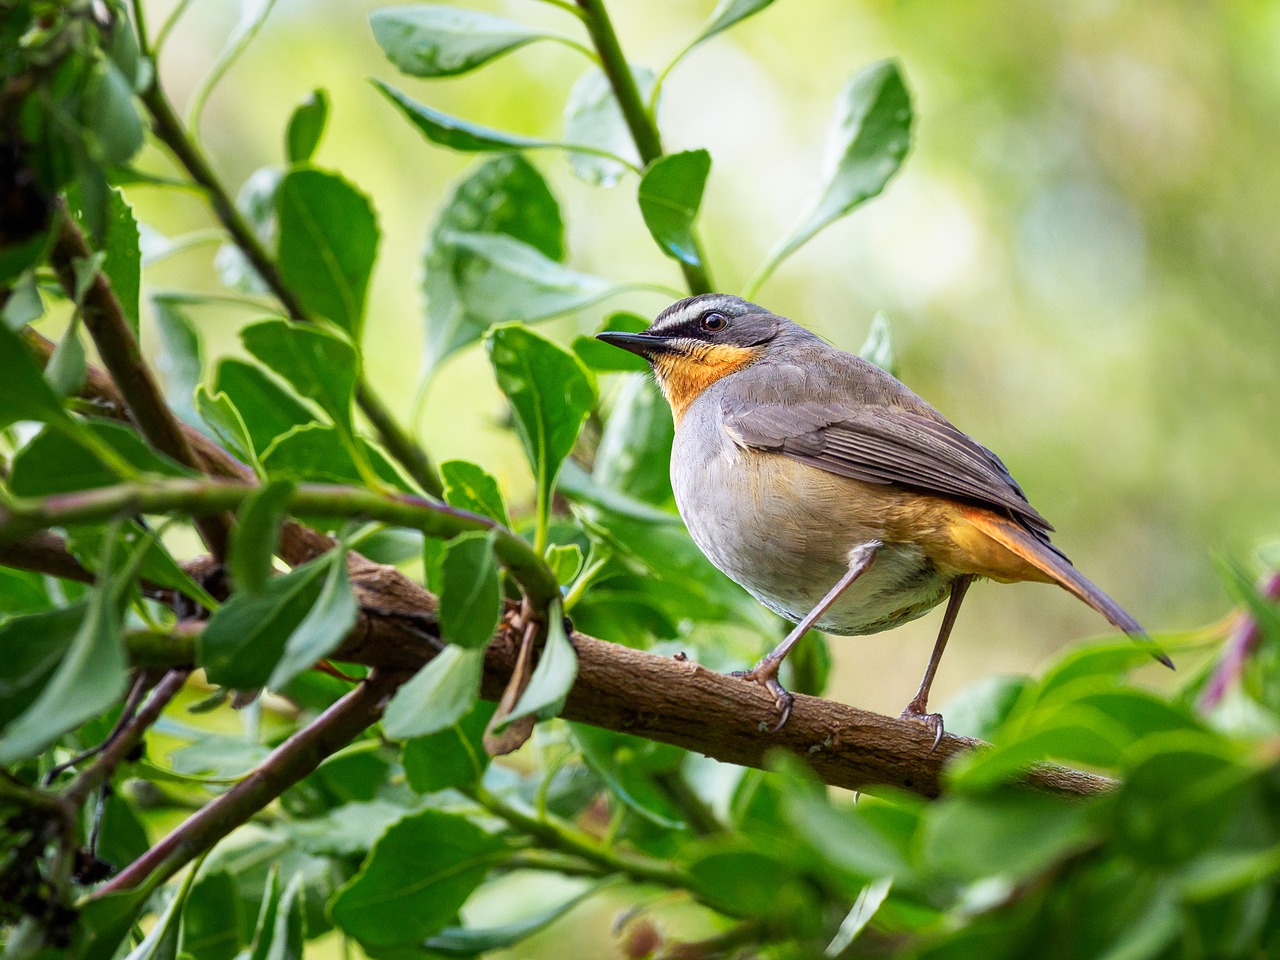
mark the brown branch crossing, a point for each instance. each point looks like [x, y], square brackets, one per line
[618, 688]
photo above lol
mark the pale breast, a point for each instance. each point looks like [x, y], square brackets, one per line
[783, 530]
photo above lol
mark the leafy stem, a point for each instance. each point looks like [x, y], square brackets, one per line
[640, 122]
[170, 131]
[209, 496]
[565, 838]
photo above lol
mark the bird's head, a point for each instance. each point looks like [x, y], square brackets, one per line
[697, 341]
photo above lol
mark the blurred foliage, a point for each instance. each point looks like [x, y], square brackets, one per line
[1082, 141]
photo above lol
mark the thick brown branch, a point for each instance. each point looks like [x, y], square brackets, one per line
[46, 553]
[105, 320]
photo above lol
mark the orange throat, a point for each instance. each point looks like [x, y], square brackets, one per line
[683, 376]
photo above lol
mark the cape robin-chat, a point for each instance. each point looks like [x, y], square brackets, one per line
[837, 497]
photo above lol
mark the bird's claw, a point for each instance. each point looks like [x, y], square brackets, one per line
[766, 674]
[931, 721]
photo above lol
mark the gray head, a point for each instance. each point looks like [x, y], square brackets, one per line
[710, 320]
[696, 341]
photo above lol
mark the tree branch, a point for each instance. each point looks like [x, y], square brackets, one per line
[288, 763]
[668, 700]
[212, 496]
[105, 320]
[125, 739]
[170, 131]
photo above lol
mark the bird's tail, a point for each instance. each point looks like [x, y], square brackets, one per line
[1054, 565]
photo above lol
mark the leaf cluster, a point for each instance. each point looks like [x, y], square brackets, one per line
[397, 837]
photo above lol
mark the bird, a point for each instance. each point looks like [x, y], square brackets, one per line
[830, 491]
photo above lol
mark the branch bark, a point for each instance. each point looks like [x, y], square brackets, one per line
[667, 700]
[105, 320]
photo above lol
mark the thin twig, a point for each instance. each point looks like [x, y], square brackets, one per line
[644, 132]
[122, 741]
[294, 759]
[170, 131]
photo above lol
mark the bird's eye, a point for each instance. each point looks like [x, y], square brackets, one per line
[713, 322]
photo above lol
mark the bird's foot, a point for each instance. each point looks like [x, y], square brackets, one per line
[932, 721]
[765, 673]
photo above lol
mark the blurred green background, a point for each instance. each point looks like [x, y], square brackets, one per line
[1079, 260]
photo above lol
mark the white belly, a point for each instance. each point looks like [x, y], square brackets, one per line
[783, 530]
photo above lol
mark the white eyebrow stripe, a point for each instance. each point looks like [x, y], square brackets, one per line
[690, 310]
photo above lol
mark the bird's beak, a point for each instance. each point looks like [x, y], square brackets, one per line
[643, 344]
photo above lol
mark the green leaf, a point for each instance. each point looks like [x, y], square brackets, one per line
[864, 908]
[26, 394]
[592, 118]
[469, 487]
[842, 837]
[256, 201]
[458, 134]
[743, 880]
[316, 453]
[67, 366]
[565, 560]
[306, 126]
[635, 445]
[726, 14]
[869, 137]
[878, 347]
[280, 931]
[454, 757]
[267, 408]
[324, 627]
[669, 195]
[181, 361]
[432, 40]
[415, 879]
[551, 394]
[247, 635]
[601, 357]
[108, 112]
[25, 305]
[470, 591]
[980, 709]
[88, 680]
[161, 941]
[471, 941]
[438, 695]
[504, 195]
[219, 414]
[31, 648]
[52, 463]
[328, 244]
[509, 280]
[554, 675]
[319, 365]
[1014, 834]
[210, 923]
[123, 262]
[628, 766]
[103, 924]
[256, 536]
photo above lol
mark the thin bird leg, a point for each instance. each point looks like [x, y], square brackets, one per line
[918, 708]
[765, 672]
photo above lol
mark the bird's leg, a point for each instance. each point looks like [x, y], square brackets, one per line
[918, 708]
[765, 672]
